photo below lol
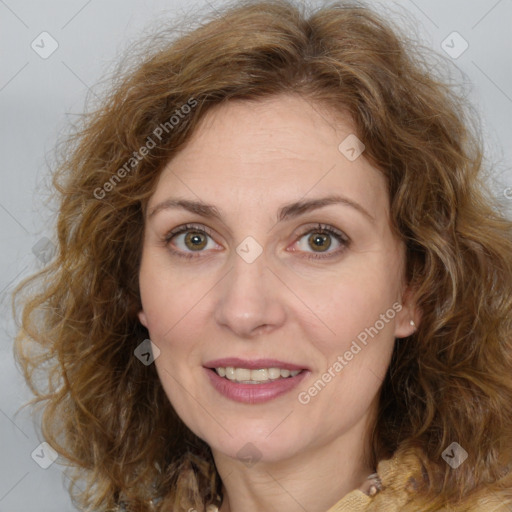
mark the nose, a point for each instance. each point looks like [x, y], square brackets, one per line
[250, 299]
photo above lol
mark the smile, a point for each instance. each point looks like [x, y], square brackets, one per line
[248, 376]
[253, 381]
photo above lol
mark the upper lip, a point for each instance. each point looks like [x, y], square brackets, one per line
[252, 364]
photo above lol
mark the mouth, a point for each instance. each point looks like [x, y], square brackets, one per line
[258, 376]
[253, 381]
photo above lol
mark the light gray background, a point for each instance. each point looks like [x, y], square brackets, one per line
[39, 97]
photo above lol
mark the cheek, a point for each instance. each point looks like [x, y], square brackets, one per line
[346, 303]
[169, 299]
[172, 307]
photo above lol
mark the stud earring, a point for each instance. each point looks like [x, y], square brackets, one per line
[412, 323]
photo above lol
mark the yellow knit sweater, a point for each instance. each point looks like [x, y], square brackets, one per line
[398, 493]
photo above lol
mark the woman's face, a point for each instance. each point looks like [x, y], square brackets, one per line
[281, 269]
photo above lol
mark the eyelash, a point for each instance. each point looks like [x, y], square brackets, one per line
[319, 228]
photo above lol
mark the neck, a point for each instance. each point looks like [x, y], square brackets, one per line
[312, 480]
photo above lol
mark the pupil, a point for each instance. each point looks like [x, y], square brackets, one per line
[319, 240]
[196, 240]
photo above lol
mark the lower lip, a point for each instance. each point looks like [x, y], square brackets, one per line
[253, 393]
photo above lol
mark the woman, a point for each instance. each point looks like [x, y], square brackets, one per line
[281, 283]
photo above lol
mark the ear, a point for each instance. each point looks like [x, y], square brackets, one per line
[142, 318]
[409, 311]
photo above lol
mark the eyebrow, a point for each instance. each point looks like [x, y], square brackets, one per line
[288, 211]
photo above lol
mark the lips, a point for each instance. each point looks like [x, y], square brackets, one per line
[253, 364]
[253, 392]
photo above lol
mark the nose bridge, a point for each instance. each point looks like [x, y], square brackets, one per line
[247, 299]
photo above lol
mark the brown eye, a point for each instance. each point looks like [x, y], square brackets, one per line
[189, 239]
[319, 242]
[195, 240]
[322, 241]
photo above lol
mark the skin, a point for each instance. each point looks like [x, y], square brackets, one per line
[249, 159]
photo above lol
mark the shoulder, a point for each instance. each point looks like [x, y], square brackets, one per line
[402, 476]
[405, 474]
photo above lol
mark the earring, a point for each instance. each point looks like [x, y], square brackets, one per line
[412, 323]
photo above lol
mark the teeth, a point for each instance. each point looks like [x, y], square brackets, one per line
[246, 375]
[242, 374]
[274, 373]
[259, 375]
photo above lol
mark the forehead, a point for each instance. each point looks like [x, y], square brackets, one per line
[270, 151]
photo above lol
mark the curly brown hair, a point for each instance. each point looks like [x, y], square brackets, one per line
[107, 413]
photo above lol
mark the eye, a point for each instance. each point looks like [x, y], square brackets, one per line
[189, 239]
[321, 239]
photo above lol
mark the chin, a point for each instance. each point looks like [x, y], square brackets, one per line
[252, 447]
